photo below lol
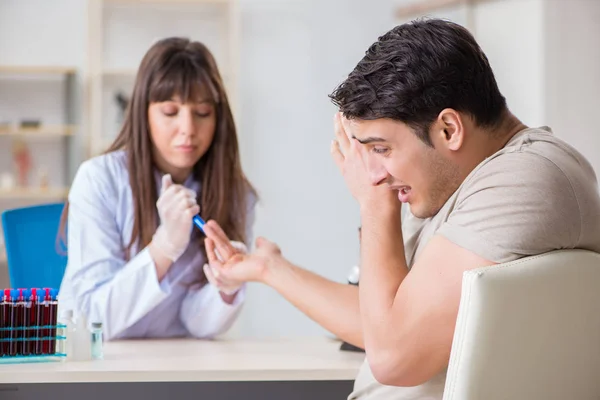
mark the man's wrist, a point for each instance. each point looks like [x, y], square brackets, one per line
[273, 268]
[379, 208]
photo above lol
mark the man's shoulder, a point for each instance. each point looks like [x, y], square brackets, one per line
[539, 153]
[522, 171]
[526, 201]
[539, 165]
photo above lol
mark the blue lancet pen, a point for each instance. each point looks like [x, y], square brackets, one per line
[199, 222]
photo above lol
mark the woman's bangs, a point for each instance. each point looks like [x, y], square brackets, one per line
[185, 82]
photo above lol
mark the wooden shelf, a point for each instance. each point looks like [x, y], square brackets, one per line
[42, 131]
[426, 7]
[32, 193]
[120, 72]
[168, 2]
[36, 70]
[419, 8]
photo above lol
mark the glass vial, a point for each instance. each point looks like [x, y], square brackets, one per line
[64, 344]
[97, 353]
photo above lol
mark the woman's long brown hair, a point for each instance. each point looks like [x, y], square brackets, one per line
[184, 68]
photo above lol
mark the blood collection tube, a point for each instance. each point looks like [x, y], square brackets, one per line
[53, 301]
[40, 320]
[27, 330]
[35, 331]
[4, 322]
[12, 335]
[20, 321]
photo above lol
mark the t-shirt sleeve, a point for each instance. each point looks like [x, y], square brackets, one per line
[514, 206]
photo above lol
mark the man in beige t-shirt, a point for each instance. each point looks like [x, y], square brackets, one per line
[535, 195]
[423, 124]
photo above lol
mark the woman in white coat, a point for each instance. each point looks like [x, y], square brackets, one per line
[135, 262]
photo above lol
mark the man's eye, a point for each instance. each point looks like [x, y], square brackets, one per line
[380, 150]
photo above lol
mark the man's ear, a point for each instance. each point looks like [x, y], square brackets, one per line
[448, 130]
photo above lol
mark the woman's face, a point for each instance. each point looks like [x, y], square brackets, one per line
[181, 133]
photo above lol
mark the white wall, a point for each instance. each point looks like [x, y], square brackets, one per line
[510, 32]
[42, 32]
[573, 80]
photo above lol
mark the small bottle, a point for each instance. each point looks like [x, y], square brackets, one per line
[354, 276]
[65, 346]
[97, 352]
[82, 349]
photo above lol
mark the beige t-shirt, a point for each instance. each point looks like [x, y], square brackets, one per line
[535, 195]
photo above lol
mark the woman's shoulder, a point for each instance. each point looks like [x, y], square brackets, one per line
[103, 173]
[113, 164]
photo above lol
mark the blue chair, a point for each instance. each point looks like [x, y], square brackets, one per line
[35, 257]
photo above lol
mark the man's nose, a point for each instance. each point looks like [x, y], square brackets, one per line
[377, 172]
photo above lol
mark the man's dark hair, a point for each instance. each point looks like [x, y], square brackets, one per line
[418, 69]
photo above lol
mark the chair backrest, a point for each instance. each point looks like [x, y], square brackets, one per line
[529, 329]
[30, 235]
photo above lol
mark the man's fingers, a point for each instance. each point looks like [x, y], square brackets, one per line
[221, 241]
[209, 244]
[266, 244]
[345, 126]
[209, 275]
[216, 228]
[236, 258]
[337, 155]
[340, 134]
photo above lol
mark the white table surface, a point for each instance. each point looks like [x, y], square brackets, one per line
[186, 360]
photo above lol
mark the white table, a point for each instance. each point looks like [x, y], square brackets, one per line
[309, 368]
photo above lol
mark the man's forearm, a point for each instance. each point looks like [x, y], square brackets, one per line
[383, 268]
[332, 305]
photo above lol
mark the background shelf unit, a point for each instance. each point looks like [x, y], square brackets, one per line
[41, 132]
[45, 93]
[36, 70]
[50, 193]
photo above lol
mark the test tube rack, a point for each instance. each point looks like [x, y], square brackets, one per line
[29, 331]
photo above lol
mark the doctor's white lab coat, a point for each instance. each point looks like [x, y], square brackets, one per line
[126, 296]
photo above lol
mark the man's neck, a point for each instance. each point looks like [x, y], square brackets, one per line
[502, 134]
[486, 142]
